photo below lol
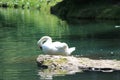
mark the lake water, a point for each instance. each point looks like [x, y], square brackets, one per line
[21, 29]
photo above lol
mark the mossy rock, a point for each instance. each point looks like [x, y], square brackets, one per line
[62, 65]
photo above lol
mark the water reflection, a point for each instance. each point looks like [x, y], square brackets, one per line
[21, 29]
[90, 76]
[45, 24]
[87, 75]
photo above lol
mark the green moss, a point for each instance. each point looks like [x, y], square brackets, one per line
[61, 60]
[48, 62]
[57, 61]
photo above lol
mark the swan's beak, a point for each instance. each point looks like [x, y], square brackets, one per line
[40, 47]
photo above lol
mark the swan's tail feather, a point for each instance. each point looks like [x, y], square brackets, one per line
[71, 50]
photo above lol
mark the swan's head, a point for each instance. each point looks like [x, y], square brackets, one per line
[43, 40]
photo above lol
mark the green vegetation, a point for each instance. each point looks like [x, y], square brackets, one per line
[88, 9]
[82, 9]
[58, 61]
[25, 4]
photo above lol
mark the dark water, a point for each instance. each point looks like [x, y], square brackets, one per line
[21, 29]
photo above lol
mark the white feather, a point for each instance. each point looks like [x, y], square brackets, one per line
[54, 48]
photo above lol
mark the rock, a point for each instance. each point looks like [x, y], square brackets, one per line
[65, 63]
[60, 65]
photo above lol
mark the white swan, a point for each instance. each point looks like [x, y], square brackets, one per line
[117, 26]
[54, 48]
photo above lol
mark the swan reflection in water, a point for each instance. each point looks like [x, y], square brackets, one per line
[54, 48]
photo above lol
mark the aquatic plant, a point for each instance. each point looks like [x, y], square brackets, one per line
[35, 4]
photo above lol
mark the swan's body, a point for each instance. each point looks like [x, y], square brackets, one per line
[54, 48]
[117, 26]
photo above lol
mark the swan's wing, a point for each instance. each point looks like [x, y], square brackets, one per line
[60, 45]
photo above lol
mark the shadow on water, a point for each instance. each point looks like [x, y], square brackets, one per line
[21, 29]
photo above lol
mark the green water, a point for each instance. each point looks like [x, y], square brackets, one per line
[21, 29]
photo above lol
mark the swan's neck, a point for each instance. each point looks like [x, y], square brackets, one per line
[44, 40]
